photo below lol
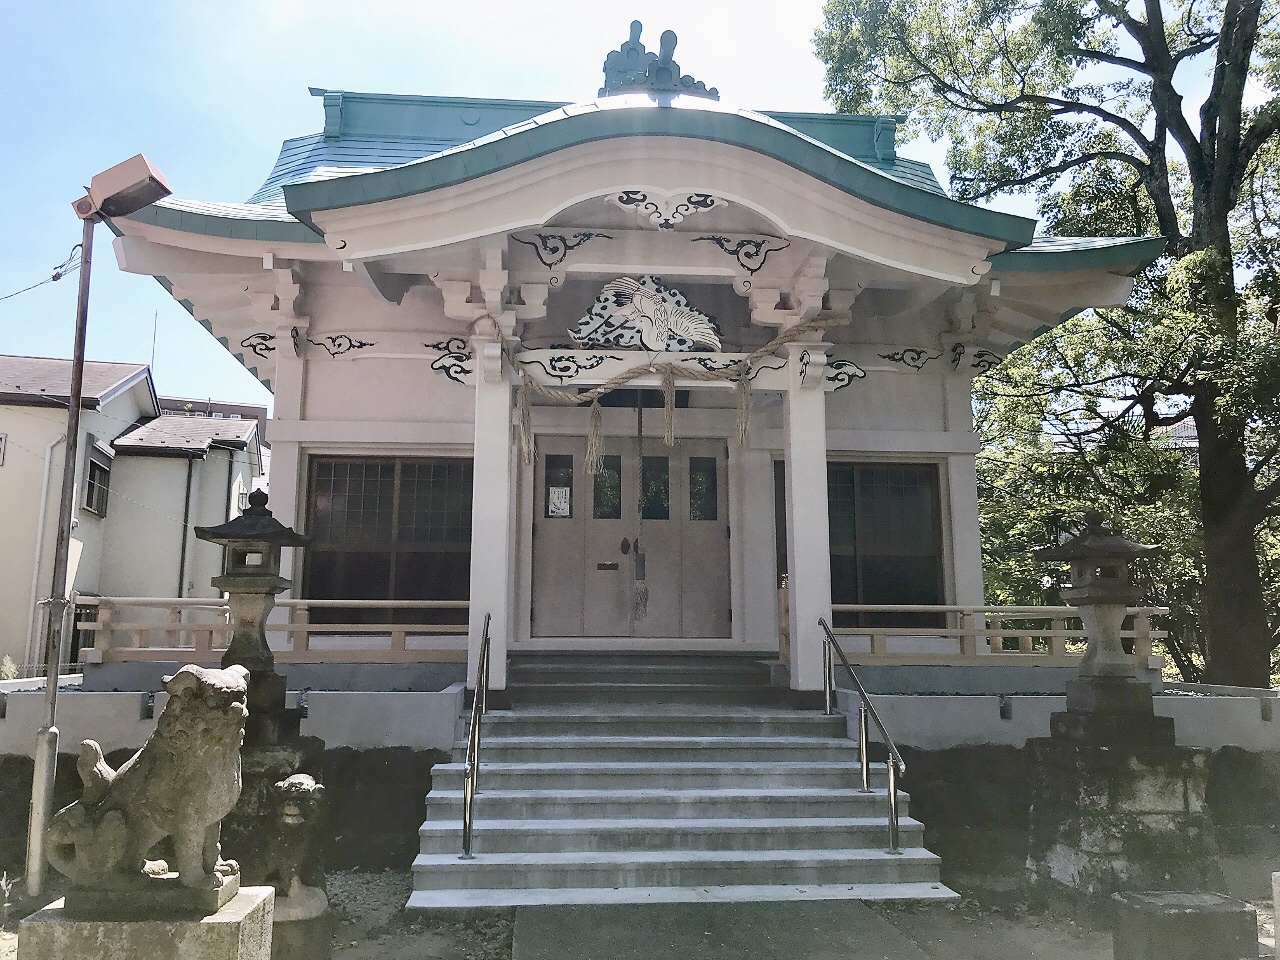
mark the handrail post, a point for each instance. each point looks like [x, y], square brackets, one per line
[828, 682]
[892, 766]
[471, 773]
[864, 756]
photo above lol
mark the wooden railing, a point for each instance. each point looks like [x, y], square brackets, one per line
[1046, 636]
[198, 629]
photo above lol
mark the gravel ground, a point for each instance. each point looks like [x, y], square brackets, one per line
[989, 923]
[369, 924]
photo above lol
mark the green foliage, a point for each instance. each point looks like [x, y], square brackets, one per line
[8, 669]
[1079, 103]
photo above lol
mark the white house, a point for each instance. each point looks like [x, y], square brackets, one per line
[142, 480]
[786, 313]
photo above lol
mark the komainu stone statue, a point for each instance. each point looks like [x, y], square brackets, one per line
[181, 784]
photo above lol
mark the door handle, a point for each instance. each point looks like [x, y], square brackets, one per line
[625, 546]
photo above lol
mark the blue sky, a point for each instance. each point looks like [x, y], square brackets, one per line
[209, 90]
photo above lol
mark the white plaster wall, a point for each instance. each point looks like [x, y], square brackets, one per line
[363, 720]
[29, 431]
[385, 390]
[938, 722]
[144, 526]
[888, 400]
[115, 720]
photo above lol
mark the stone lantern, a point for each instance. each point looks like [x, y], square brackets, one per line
[1108, 699]
[252, 580]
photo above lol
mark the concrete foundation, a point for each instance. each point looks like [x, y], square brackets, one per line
[241, 930]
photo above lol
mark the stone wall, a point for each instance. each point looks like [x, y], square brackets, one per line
[975, 804]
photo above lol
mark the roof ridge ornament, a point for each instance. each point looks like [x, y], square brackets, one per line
[632, 69]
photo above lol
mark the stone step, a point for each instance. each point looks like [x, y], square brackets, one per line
[684, 868]
[652, 749]
[445, 806]
[626, 775]
[670, 720]
[646, 833]
[429, 900]
[748, 672]
[609, 693]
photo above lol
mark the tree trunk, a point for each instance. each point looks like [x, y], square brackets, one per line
[1235, 614]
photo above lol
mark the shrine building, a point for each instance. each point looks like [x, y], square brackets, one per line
[608, 373]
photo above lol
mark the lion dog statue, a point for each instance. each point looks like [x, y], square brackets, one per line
[181, 784]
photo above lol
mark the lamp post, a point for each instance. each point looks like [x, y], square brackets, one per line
[116, 192]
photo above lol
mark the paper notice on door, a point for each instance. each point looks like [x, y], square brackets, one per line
[558, 501]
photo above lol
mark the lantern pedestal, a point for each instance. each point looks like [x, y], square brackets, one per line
[1111, 710]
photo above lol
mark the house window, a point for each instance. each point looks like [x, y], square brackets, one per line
[97, 486]
[886, 540]
[389, 529]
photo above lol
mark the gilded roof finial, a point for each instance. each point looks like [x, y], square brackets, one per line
[632, 69]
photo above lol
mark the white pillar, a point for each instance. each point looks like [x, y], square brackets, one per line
[286, 483]
[808, 529]
[492, 516]
[966, 540]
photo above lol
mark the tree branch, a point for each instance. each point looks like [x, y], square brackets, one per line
[1056, 170]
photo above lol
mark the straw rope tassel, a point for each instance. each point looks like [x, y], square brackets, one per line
[524, 421]
[669, 405]
[743, 390]
[595, 440]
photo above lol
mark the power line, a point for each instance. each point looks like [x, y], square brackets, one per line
[68, 266]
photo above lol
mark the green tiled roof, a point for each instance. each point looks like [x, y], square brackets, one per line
[379, 146]
[1081, 253]
[871, 178]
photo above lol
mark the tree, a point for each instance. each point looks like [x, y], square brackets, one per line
[1086, 105]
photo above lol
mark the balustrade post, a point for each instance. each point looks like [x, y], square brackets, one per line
[969, 634]
[173, 627]
[1142, 638]
[102, 636]
[879, 644]
[300, 640]
[1058, 643]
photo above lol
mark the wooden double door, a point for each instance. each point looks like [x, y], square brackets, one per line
[662, 509]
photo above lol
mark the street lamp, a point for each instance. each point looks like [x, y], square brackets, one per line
[117, 192]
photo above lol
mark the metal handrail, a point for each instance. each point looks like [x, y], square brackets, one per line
[895, 766]
[471, 775]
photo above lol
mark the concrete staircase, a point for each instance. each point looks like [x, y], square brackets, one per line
[634, 779]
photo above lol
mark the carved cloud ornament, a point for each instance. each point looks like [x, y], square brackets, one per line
[645, 314]
[664, 211]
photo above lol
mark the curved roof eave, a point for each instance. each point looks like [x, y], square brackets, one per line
[1061, 254]
[235, 221]
[588, 123]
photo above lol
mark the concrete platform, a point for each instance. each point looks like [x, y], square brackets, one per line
[823, 930]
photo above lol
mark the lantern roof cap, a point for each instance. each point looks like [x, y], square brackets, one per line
[255, 525]
[1096, 541]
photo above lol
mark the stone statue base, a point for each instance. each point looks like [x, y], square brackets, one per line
[1113, 818]
[302, 929]
[155, 897]
[240, 930]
